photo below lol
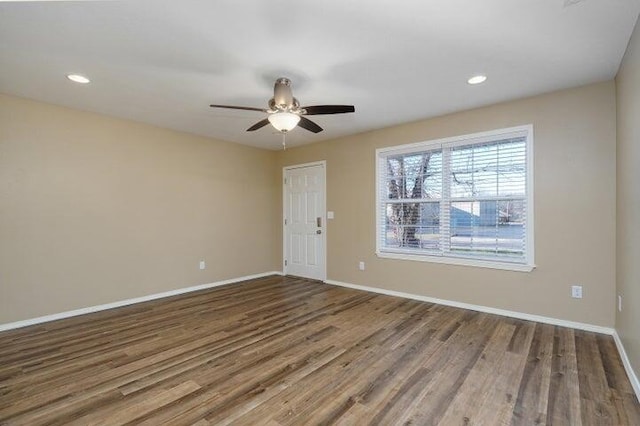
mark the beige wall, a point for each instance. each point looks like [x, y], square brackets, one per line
[95, 209]
[628, 201]
[575, 178]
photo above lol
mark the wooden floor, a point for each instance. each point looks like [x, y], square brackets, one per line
[281, 351]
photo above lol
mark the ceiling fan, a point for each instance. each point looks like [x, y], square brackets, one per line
[285, 112]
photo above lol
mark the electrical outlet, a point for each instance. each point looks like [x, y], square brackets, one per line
[202, 265]
[619, 303]
[576, 291]
[361, 266]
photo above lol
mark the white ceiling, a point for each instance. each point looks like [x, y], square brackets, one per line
[163, 62]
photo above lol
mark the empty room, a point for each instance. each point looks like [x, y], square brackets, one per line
[295, 213]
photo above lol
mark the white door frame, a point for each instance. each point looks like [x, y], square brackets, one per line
[322, 163]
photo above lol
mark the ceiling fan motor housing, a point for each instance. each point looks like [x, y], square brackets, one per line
[282, 97]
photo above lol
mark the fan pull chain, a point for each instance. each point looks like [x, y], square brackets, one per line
[284, 140]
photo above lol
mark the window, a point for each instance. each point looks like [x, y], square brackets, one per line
[465, 200]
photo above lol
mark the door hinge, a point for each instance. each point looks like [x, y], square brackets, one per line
[285, 262]
[285, 181]
[285, 221]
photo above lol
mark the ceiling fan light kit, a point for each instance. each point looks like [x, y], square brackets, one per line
[284, 121]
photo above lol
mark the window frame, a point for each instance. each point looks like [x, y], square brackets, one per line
[525, 131]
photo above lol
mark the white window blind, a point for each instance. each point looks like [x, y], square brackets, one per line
[465, 200]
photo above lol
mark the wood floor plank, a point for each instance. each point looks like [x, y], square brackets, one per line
[379, 392]
[289, 351]
[341, 391]
[595, 395]
[136, 407]
[359, 356]
[531, 402]
[564, 406]
[469, 398]
[451, 370]
[500, 399]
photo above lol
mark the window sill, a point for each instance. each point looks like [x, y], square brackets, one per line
[491, 264]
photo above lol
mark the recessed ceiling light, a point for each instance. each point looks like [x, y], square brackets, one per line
[477, 79]
[568, 3]
[78, 78]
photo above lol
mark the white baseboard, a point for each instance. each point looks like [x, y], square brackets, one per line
[633, 378]
[97, 308]
[479, 308]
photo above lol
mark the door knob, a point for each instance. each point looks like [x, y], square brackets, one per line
[319, 231]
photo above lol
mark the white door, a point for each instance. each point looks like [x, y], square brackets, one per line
[304, 221]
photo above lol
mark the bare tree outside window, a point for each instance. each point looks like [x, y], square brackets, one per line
[413, 177]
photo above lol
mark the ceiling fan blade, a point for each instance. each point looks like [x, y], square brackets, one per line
[305, 123]
[239, 107]
[328, 109]
[260, 124]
